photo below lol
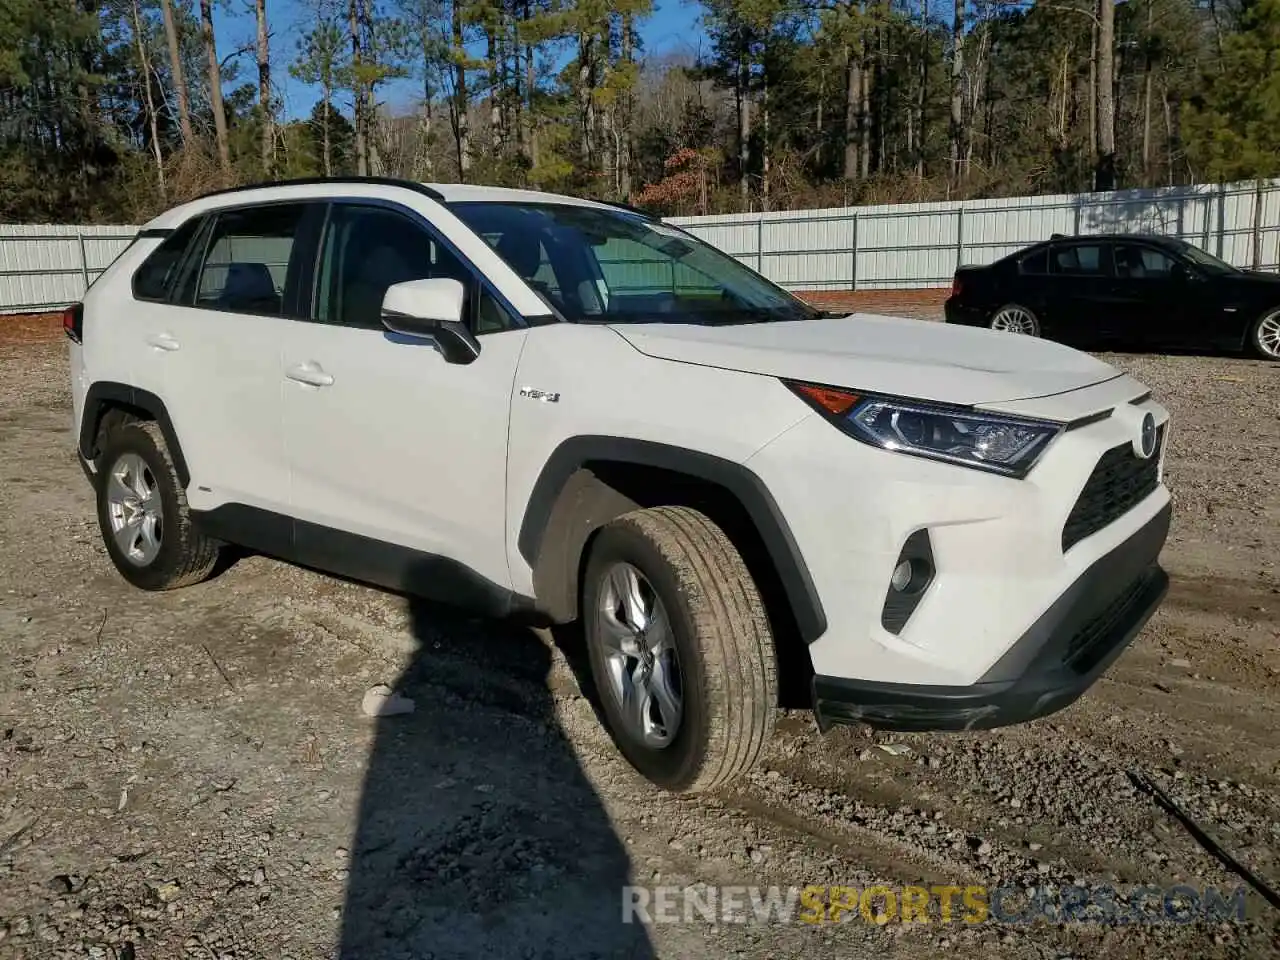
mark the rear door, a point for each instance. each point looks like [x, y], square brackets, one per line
[221, 339]
[1079, 300]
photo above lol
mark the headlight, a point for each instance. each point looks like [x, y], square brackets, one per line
[987, 441]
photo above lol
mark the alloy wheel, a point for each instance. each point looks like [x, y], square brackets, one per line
[1269, 335]
[1014, 320]
[634, 632]
[134, 509]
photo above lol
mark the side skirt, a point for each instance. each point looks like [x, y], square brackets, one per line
[365, 559]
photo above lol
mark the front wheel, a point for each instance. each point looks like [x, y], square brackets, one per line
[1015, 318]
[1264, 336]
[680, 648]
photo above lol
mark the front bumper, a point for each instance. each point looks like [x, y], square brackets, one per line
[1046, 669]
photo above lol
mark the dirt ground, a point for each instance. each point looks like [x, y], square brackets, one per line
[189, 774]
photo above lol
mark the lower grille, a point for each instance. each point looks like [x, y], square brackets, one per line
[1086, 648]
[1118, 483]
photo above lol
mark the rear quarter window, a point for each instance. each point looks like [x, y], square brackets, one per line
[1035, 263]
[155, 278]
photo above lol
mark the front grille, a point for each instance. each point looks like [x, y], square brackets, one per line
[1119, 482]
[1087, 647]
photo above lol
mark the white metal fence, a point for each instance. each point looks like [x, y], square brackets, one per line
[921, 244]
[851, 248]
[46, 267]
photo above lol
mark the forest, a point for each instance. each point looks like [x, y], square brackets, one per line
[112, 110]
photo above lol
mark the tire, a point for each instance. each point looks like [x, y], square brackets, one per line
[166, 551]
[1264, 336]
[1015, 318]
[719, 636]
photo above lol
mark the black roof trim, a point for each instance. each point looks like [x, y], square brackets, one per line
[413, 185]
[626, 206]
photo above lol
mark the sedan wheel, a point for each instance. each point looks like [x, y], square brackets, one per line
[1266, 336]
[1015, 319]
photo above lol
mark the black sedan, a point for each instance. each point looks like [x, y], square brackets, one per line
[1139, 291]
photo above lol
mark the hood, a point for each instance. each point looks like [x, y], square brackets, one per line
[1252, 280]
[911, 358]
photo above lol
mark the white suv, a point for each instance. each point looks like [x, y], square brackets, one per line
[544, 406]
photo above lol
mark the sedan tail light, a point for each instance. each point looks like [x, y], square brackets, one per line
[956, 285]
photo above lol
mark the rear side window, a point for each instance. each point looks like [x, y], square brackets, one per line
[246, 260]
[1082, 260]
[155, 278]
[1035, 263]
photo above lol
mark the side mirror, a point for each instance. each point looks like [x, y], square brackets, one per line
[1182, 273]
[431, 310]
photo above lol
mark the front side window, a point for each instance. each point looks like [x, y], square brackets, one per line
[246, 259]
[613, 266]
[155, 278]
[1139, 262]
[1078, 260]
[1206, 261]
[367, 249]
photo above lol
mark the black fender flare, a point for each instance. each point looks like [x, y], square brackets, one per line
[104, 395]
[568, 503]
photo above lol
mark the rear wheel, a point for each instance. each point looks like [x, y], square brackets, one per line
[1264, 337]
[1015, 318]
[680, 648]
[143, 514]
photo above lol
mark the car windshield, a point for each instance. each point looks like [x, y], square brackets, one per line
[614, 266]
[1205, 260]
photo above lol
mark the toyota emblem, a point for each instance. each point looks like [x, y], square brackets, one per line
[1145, 445]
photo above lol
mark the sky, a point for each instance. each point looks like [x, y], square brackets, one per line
[674, 27]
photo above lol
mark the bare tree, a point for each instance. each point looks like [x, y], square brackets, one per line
[957, 94]
[742, 89]
[264, 89]
[460, 102]
[1105, 172]
[215, 87]
[852, 118]
[175, 68]
[357, 83]
[144, 67]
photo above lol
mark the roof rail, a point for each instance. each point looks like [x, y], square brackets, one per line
[413, 185]
[626, 206]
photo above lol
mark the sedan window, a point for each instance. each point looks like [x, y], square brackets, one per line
[1138, 262]
[1078, 260]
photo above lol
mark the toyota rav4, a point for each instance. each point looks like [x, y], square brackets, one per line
[550, 407]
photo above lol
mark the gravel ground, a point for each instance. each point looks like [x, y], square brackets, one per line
[189, 775]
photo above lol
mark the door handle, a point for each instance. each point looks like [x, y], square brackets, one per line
[310, 374]
[163, 341]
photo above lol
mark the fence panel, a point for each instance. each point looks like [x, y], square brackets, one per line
[849, 248]
[45, 267]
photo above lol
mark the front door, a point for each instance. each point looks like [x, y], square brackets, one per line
[388, 442]
[1151, 302]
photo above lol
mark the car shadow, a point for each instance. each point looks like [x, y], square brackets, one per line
[478, 832]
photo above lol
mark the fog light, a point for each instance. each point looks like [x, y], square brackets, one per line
[911, 575]
[908, 582]
[901, 578]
